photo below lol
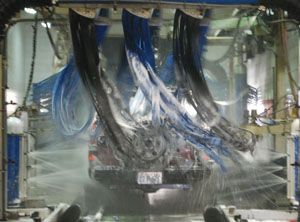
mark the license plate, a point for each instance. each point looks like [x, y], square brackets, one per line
[149, 178]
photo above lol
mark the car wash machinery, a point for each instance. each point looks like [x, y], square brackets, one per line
[86, 7]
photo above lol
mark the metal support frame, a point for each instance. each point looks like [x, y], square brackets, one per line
[280, 72]
[280, 80]
[291, 176]
[3, 143]
[145, 4]
[25, 139]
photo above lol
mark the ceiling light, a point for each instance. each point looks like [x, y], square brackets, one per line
[30, 10]
[45, 25]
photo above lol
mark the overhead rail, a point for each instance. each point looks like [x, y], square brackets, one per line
[292, 6]
[9, 8]
[157, 3]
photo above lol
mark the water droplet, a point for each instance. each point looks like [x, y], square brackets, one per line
[109, 90]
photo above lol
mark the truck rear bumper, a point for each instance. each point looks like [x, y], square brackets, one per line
[128, 178]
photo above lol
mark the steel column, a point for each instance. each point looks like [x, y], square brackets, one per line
[2, 131]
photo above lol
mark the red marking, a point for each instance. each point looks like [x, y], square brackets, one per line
[206, 157]
[105, 155]
[187, 153]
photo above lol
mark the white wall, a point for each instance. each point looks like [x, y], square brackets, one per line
[19, 58]
[260, 73]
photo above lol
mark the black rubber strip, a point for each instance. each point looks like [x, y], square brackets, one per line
[87, 60]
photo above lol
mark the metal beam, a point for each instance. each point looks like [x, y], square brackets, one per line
[280, 81]
[148, 4]
[2, 133]
[280, 129]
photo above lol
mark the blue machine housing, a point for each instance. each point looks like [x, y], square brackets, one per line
[13, 157]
